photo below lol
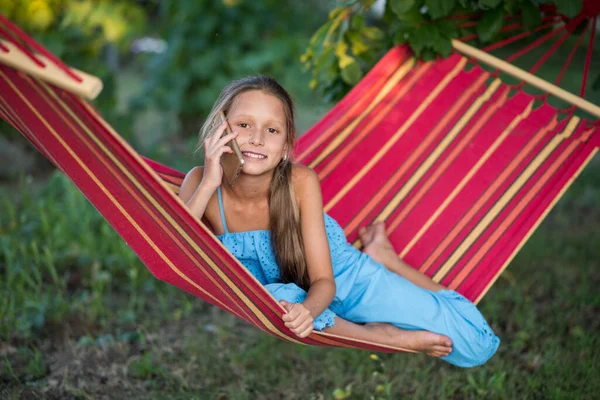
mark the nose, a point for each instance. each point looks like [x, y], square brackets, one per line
[256, 138]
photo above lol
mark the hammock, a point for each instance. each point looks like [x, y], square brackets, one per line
[461, 171]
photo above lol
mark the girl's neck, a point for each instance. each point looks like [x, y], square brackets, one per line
[248, 188]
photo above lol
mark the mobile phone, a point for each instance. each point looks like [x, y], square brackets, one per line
[232, 162]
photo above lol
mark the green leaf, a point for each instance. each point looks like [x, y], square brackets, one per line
[341, 53]
[428, 55]
[447, 28]
[359, 46]
[491, 3]
[333, 14]
[532, 17]
[357, 22]
[510, 6]
[373, 33]
[320, 34]
[439, 8]
[367, 3]
[352, 73]
[401, 6]
[418, 39]
[490, 24]
[569, 8]
[442, 45]
[401, 37]
[596, 84]
[325, 60]
[412, 17]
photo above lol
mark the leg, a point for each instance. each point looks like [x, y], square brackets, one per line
[433, 344]
[377, 245]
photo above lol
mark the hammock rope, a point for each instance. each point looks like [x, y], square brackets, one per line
[588, 58]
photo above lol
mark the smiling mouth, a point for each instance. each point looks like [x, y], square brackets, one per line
[255, 156]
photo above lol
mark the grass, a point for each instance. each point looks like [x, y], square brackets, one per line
[81, 317]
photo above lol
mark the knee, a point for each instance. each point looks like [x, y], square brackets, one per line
[476, 351]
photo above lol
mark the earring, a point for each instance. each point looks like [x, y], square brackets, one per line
[285, 157]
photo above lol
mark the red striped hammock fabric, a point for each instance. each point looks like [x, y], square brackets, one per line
[462, 171]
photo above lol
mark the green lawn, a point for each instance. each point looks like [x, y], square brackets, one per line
[81, 317]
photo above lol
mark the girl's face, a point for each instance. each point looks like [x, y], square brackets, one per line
[260, 120]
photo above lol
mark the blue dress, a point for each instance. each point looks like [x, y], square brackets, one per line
[366, 291]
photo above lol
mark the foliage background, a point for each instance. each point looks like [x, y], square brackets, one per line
[81, 317]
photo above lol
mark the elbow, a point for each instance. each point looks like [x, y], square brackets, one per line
[333, 285]
[330, 283]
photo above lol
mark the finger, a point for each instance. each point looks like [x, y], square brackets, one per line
[306, 332]
[304, 326]
[216, 134]
[293, 311]
[285, 304]
[213, 158]
[227, 138]
[226, 149]
[220, 129]
[292, 325]
[302, 323]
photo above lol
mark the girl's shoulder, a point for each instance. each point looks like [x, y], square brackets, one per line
[190, 183]
[196, 172]
[303, 175]
[305, 181]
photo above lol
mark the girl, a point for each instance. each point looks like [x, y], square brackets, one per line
[272, 220]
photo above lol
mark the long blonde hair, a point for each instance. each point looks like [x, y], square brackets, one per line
[284, 215]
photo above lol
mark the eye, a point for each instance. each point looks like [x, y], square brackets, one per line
[272, 130]
[243, 125]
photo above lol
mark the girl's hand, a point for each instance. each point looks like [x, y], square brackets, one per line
[298, 318]
[214, 147]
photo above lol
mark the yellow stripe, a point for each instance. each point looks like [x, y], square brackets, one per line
[127, 216]
[434, 156]
[509, 194]
[23, 126]
[396, 136]
[517, 210]
[94, 178]
[536, 224]
[207, 259]
[455, 192]
[394, 79]
[67, 109]
[174, 188]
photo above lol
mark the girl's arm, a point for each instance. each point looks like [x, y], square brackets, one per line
[201, 182]
[316, 246]
[194, 194]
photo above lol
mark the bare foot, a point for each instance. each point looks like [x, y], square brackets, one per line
[376, 243]
[365, 234]
[430, 343]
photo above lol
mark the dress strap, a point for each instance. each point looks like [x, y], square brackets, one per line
[221, 209]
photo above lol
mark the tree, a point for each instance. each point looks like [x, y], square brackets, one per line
[209, 43]
[343, 49]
